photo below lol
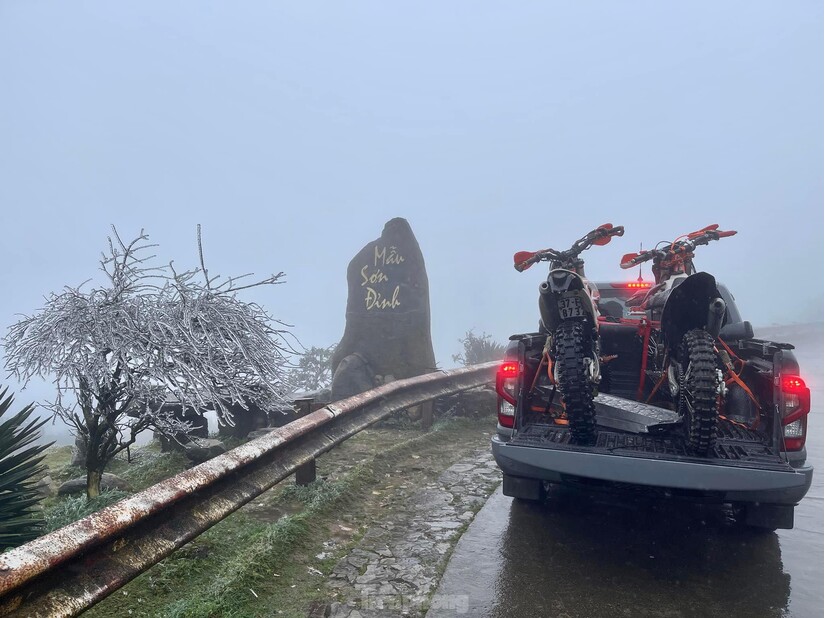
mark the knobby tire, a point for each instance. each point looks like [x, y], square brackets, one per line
[572, 347]
[699, 387]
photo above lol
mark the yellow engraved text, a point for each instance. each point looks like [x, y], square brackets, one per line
[376, 300]
[384, 257]
[372, 277]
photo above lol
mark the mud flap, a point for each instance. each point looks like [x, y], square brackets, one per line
[769, 516]
[524, 488]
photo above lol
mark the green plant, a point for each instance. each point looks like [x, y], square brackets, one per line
[77, 507]
[149, 467]
[19, 521]
[316, 495]
[478, 349]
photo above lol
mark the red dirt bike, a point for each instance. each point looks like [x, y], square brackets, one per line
[569, 315]
[681, 317]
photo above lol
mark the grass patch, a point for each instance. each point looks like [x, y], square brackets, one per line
[316, 495]
[150, 466]
[232, 590]
[57, 457]
[72, 508]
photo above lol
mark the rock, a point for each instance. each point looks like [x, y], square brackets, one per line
[45, 486]
[353, 375]
[388, 313]
[462, 468]
[332, 609]
[79, 452]
[107, 483]
[202, 450]
[357, 562]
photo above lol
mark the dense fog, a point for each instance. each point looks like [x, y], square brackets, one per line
[293, 132]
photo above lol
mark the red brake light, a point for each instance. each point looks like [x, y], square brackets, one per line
[509, 368]
[633, 285]
[793, 385]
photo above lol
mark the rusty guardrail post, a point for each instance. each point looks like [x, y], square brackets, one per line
[306, 473]
[427, 415]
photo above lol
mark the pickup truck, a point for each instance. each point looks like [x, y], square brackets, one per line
[758, 465]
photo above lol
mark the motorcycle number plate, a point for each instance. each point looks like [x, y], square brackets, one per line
[570, 307]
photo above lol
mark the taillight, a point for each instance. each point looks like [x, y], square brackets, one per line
[796, 404]
[506, 387]
[793, 384]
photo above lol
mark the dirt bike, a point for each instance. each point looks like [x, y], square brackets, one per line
[682, 315]
[569, 316]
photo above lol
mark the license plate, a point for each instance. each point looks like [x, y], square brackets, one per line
[570, 307]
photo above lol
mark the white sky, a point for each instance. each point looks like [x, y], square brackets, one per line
[294, 131]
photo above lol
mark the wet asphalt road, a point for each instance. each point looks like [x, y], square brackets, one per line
[584, 554]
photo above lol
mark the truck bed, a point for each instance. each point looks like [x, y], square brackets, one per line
[642, 445]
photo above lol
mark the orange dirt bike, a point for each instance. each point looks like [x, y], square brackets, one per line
[569, 316]
[682, 315]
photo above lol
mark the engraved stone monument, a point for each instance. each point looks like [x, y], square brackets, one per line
[387, 334]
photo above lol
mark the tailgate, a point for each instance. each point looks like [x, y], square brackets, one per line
[745, 472]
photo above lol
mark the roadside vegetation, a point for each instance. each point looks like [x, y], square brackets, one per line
[313, 371]
[273, 556]
[20, 464]
[478, 349]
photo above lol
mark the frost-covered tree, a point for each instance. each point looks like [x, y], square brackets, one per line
[116, 352]
[314, 369]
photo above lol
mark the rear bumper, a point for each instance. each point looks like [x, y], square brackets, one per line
[717, 480]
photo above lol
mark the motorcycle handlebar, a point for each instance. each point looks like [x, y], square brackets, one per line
[641, 257]
[678, 247]
[601, 236]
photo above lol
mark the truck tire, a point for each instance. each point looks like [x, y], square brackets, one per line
[571, 349]
[699, 390]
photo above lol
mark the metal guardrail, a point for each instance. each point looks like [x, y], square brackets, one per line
[69, 570]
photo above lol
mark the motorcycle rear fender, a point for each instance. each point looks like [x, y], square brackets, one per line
[558, 283]
[686, 307]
